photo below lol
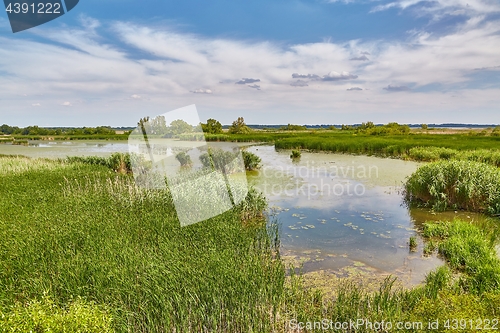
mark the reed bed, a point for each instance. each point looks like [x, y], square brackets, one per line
[467, 185]
[88, 232]
[107, 253]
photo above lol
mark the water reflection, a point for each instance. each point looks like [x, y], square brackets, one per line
[341, 211]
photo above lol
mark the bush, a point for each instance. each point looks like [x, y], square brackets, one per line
[218, 159]
[251, 160]
[295, 154]
[184, 159]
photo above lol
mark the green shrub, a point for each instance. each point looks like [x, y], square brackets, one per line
[218, 159]
[184, 159]
[295, 154]
[251, 160]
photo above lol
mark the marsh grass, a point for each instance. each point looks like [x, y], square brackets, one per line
[78, 231]
[118, 162]
[413, 243]
[467, 185]
[469, 249]
[295, 154]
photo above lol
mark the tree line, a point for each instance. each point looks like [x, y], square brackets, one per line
[35, 130]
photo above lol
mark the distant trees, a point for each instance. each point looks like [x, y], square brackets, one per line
[239, 127]
[180, 127]
[291, 127]
[36, 130]
[346, 127]
[425, 126]
[212, 127]
[6, 129]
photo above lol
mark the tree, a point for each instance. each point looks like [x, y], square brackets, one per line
[239, 127]
[212, 126]
[179, 126]
[424, 126]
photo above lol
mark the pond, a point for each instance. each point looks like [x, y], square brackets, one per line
[339, 214]
[344, 214]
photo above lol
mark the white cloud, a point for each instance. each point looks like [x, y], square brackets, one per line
[438, 8]
[202, 91]
[36, 104]
[100, 73]
[66, 104]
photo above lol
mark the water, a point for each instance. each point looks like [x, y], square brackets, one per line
[62, 149]
[343, 213]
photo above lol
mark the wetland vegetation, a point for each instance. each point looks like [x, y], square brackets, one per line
[84, 249]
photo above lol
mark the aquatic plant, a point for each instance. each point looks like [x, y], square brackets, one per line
[252, 161]
[183, 158]
[472, 186]
[118, 162]
[295, 154]
[469, 250]
[413, 243]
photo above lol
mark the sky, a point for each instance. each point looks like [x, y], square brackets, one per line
[112, 62]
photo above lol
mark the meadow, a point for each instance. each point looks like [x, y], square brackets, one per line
[85, 250]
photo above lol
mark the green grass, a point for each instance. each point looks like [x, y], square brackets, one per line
[469, 249]
[389, 145]
[109, 254]
[467, 185]
[295, 154]
[419, 147]
[70, 229]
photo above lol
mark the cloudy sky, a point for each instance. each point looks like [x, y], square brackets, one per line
[111, 62]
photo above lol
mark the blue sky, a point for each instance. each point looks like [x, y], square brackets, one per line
[111, 62]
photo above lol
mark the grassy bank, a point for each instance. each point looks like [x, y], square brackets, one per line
[72, 230]
[82, 245]
[418, 147]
